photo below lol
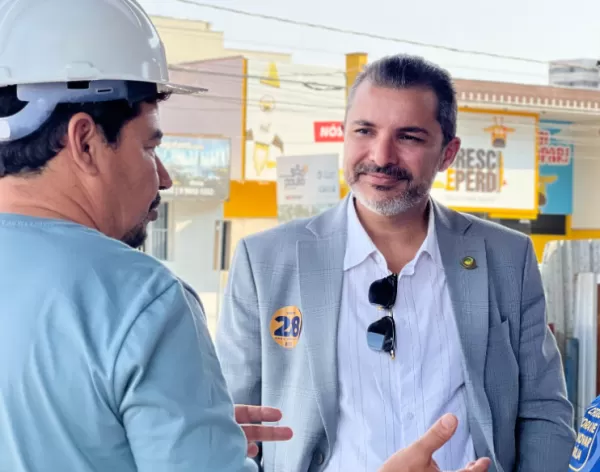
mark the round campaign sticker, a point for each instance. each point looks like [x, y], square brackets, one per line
[286, 326]
[586, 455]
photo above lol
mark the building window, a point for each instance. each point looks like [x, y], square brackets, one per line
[561, 70]
[157, 244]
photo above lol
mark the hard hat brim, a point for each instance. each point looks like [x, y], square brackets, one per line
[42, 99]
[180, 89]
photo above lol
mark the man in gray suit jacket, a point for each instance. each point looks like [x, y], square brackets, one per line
[368, 322]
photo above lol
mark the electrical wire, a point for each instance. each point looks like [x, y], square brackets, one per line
[190, 32]
[325, 100]
[361, 33]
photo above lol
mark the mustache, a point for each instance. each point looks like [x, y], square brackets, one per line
[155, 203]
[389, 170]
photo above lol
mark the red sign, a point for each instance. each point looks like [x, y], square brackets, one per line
[551, 153]
[328, 132]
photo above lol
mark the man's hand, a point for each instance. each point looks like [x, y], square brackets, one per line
[249, 418]
[418, 456]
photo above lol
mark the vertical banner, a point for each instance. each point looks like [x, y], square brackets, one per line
[306, 185]
[555, 184]
[495, 170]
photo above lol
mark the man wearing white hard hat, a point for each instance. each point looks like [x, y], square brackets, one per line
[106, 363]
[105, 360]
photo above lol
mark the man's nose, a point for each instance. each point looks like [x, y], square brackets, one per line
[383, 151]
[164, 179]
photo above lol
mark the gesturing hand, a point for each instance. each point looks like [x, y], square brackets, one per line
[250, 417]
[418, 457]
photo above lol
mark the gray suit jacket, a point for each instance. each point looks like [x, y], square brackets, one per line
[519, 414]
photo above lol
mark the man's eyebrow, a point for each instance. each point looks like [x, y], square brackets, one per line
[366, 123]
[403, 129]
[413, 129]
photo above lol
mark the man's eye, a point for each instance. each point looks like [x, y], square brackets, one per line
[362, 131]
[409, 137]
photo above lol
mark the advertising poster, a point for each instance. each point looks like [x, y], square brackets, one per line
[286, 105]
[199, 166]
[495, 169]
[306, 185]
[555, 184]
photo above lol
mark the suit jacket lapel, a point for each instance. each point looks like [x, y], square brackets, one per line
[320, 274]
[468, 287]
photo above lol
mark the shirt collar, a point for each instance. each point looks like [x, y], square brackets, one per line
[359, 245]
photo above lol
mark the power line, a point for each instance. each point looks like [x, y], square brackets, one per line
[186, 31]
[317, 86]
[360, 33]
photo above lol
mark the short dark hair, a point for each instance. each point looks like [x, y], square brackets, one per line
[31, 154]
[403, 71]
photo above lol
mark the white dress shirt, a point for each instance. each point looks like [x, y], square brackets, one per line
[386, 404]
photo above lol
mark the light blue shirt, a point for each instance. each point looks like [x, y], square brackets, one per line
[106, 363]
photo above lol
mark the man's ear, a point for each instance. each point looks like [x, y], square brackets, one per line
[84, 141]
[450, 151]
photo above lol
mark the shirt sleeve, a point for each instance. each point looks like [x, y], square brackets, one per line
[171, 393]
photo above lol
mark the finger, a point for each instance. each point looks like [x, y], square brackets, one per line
[256, 414]
[267, 433]
[481, 465]
[437, 435]
[252, 450]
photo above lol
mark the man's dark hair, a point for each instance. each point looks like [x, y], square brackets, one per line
[31, 154]
[404, 71]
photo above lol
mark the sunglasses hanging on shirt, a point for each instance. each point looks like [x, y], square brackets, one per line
[381, 335]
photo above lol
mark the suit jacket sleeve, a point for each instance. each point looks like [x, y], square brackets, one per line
[237, 339]
[545, 437]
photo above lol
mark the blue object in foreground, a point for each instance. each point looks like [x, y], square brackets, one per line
[586, 453]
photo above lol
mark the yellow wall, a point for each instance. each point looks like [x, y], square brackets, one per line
[355, 63]
[540, 240]
[251, 199]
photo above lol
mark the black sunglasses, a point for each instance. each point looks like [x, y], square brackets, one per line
[381, 335]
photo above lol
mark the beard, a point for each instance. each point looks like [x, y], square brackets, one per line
[136, 237]
[395, 204]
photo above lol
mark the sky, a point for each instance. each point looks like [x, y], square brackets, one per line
[535, 30]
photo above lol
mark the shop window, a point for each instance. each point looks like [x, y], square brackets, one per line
[523, 226]
[157, 243]
[550, 224]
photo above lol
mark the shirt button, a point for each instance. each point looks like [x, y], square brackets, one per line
[409, 417]
[319, 457]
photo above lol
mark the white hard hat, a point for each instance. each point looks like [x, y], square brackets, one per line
[109, 48]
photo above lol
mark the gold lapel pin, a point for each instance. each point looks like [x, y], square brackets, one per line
[468, 263]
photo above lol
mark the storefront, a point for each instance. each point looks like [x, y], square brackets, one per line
[517, 165]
